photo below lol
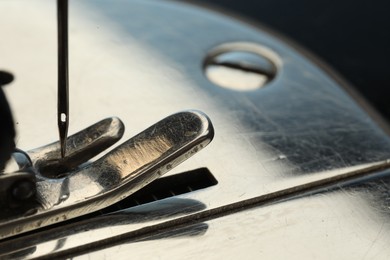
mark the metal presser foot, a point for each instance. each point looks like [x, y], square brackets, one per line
[46, 189]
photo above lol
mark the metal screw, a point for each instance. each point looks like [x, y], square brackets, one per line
[23, 190]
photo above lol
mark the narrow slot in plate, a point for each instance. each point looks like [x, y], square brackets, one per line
[166, 187]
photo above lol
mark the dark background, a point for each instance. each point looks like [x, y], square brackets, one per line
[352, 36]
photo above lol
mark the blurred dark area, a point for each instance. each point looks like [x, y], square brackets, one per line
[352, 36]
[7, 131]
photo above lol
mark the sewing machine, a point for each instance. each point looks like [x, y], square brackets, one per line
[297, 165]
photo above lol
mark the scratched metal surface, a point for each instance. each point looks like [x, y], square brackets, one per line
[120, 173]
[347, 223]
[142, 60]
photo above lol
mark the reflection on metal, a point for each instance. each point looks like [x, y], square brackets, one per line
[164, 210]
[241, 66]
[161, 210]
[140, 60]
[348, 222]
[18, 184]
[118, 174]
[81, 147]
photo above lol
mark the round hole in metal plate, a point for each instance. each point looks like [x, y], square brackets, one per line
[241, 66]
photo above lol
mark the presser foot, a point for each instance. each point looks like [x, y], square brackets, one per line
[47, 189]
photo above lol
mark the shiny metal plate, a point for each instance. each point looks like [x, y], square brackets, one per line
[141, 60]
[347, 223]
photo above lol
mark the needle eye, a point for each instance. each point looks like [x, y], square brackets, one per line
[63, 117]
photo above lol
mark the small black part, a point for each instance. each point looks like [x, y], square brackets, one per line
[23, 190]
[7, 131]
[5, 78]
[166, 187]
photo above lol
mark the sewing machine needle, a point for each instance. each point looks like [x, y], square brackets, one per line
[63, 90]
